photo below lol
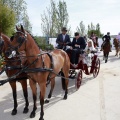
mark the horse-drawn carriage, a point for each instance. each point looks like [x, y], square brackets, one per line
[40, 67]
[85, 67]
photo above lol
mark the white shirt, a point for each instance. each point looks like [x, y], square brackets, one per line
[63, 37]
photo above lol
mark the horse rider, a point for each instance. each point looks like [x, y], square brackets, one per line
[78, 45]
[106, 38]
[118, 37]
[63, 39]
[94, 39]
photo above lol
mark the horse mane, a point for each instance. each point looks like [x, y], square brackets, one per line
[7, 39]
[33, 38]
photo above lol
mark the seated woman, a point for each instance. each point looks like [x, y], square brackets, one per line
[89, 50]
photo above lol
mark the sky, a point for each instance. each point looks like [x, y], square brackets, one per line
[104, 12]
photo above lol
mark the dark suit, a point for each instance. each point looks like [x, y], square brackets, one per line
[80, 41]
[77, 50]
[107, 38]
[61, 42]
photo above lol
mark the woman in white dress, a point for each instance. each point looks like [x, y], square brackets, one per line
[88, 52]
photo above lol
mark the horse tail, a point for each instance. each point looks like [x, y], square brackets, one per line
[65, 70]
[63, 81]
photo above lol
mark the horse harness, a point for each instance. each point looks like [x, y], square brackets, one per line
[21, 40]
[26, 69]
[1, 43]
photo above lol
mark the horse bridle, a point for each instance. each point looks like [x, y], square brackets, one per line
[20, 40]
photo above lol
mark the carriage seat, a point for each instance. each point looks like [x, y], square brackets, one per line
[87, 57]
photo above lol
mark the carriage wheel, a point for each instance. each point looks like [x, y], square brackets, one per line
[96, 68]
[78, 79]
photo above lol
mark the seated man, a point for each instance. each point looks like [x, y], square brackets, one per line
[106, 38]
[63, 39]
[78, 45]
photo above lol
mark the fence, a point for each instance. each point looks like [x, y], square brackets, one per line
[53, 41]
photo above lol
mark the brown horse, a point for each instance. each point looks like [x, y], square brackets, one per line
[23, 41]
[4, 44]
[117, 46]
[106, 50]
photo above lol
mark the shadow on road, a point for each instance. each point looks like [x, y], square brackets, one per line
[6, 102]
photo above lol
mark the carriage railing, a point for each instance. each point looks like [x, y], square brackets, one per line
[87, 57]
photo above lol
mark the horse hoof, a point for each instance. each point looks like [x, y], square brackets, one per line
[32, 115]
[14, 112]
[49, 96]
[41, 119]
[47, 101]
[65, 97]
[25, 110]
[106, 61]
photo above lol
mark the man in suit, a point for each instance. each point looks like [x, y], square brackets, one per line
[78, 45]
[63, 39]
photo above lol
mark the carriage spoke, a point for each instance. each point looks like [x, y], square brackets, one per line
[78, 79]
[96, 68]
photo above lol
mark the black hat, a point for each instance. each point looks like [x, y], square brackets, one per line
[76, 33]
[64, 29]
[108, 32]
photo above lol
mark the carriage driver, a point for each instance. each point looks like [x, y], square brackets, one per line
[106, 38]
[63, 39]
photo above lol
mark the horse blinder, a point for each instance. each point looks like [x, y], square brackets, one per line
[20, 39]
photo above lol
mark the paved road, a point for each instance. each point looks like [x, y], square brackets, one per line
[97, 99]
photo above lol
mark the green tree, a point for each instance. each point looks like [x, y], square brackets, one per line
[55, 18]
[48, 20]
[94, 29]
[20, 9]
[7, 19]
[62, 16]
[41, 42]
[81, 29]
